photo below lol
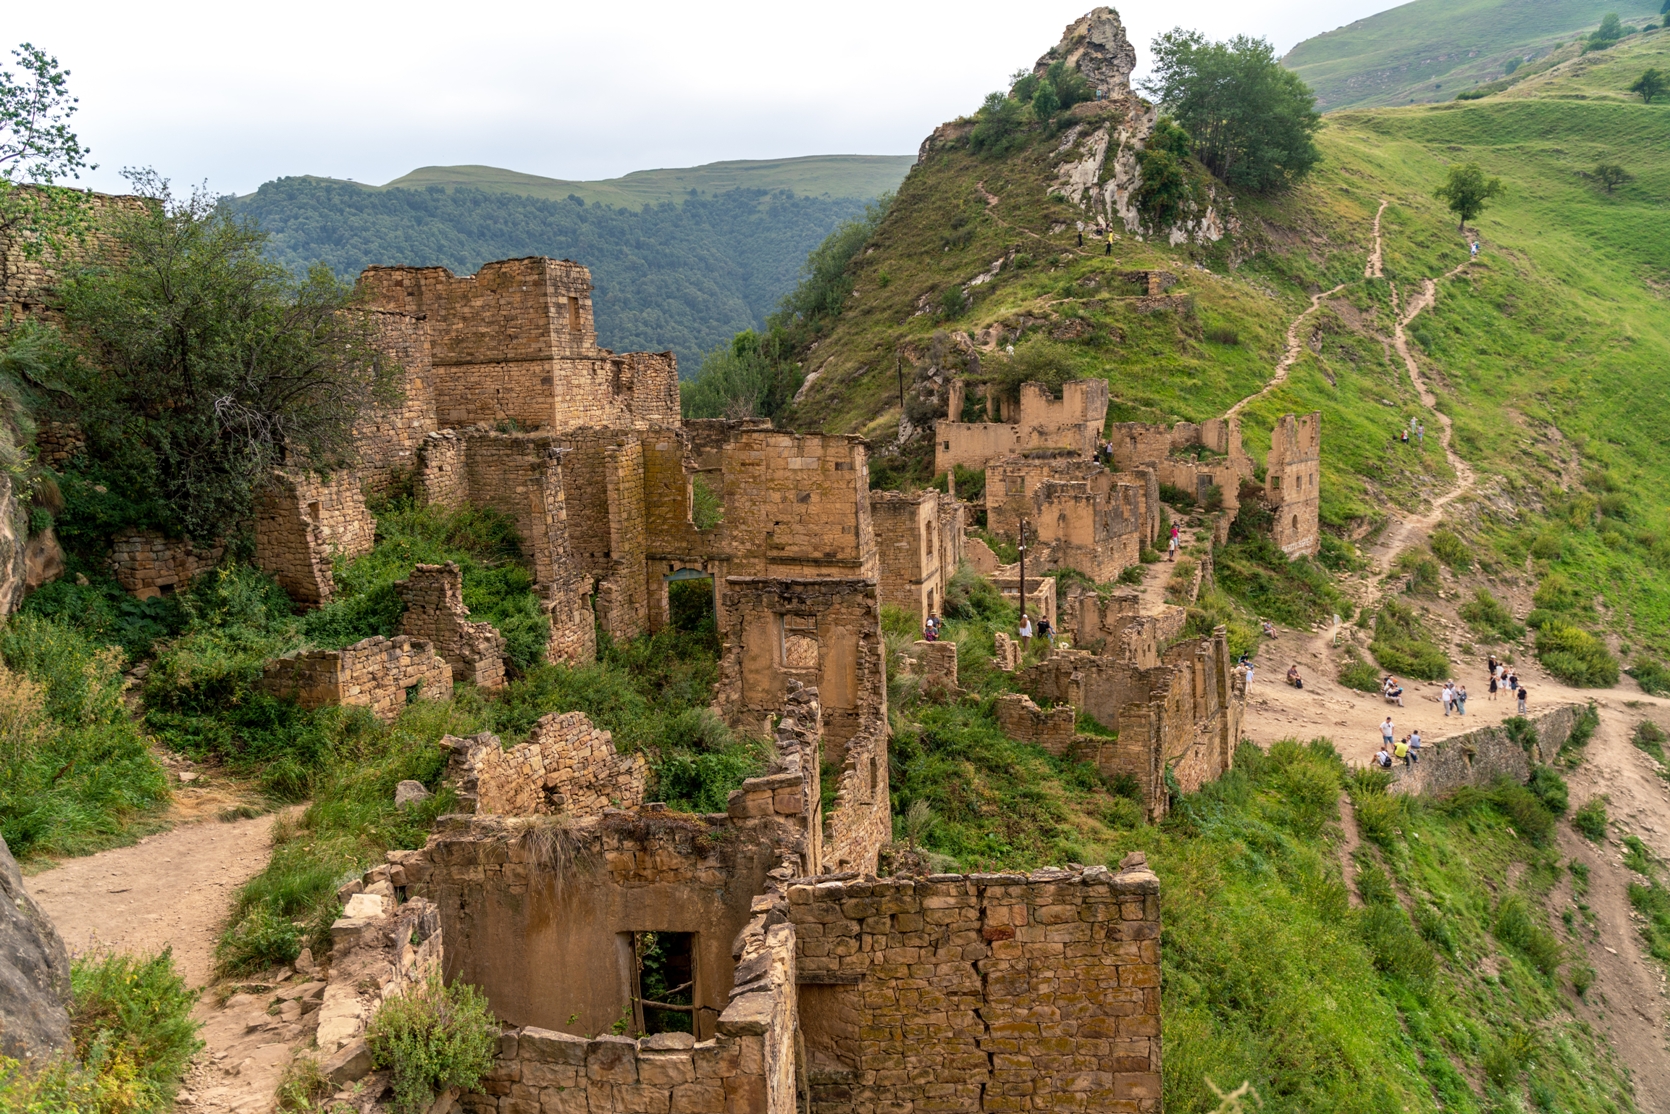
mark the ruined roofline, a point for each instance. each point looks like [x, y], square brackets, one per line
[450, 273]
[808, 581]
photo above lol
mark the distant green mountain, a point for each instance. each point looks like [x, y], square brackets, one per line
[1432, 49]
[810, 175]
[673, 269]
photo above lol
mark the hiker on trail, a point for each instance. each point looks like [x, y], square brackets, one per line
[1046, 631]
[1415, 746]
[1513, 681]
[1491, 663]
[1446, 697]
[1110, 245]
[930, 629]
[1388, 732]
[1522, 695]
[1492, 693]
[1420, 433]
[1025, 633]
[1246, 663]
[1406, 437]
[1460, 700]
[1475, 249]
[1171, 546]
[1293, 677]
[1402, 751]
[1081, 237]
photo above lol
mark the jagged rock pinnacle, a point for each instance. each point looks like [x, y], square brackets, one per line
[1096, 46]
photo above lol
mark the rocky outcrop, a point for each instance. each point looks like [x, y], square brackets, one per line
[34, 973]
[14, 537]
[1096, 46]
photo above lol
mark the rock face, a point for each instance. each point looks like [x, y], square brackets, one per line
[1096, 46]
[34, 973]
[14, 535]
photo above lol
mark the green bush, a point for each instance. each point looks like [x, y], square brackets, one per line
[1650, 737]
[262, 938]
[1651, 675]
[131, 1021]
[1489, 620]
[1517, 927]
[432, 1037]
[1420, 571]
[1448, 547]
[1402, 646]
[1398, 950]
[1590, 819]
[1575, 656]
[74, 768]
[1358, 674]
[1296, 592]
[1524, 810]
[1549, 788]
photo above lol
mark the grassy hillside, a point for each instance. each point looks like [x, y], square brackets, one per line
[1429, 50]
[681, 276]
[808, 176]
[1549, 352]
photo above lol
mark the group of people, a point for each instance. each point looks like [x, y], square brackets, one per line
[1505, 679]
[1042, 629]
[1454, 698]
[1392, 689]
[931, 629]
[1392, 749]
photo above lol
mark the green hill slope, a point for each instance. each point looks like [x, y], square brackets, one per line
[810, 175]
[1550, 352]
[679, 276]
[1432, 49]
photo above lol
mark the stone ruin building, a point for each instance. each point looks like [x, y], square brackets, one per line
[1037, 421]
[804, 981]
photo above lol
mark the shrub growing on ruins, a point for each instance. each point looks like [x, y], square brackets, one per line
[38, 216]
[432, 1037]
[1549, 787]
[205, 364]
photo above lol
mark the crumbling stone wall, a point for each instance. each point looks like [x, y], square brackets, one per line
[792, 789]
[1293, 484]
[1115, 625]
[387, 438]
[57, 441]
[1040, 592]
[539, 912]
[825, 634]
[1022, 719]
[982, 992]
[1073, 421]
[567, 766]
[1173, 455]
[603, 474]
[148, 564]
[439, 476]
[302, 521]
[1481, 756]
[913, 561]
[1184, 714]
[1079, 515]
[375, 673]
[435, 611]
[515, 343]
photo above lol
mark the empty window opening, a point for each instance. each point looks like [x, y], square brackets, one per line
[1275, 482]
[928, 536]
[664, 981]
[315, 512]
[573, 315]
[690, 604]
[1295, 522]
[1014, 485]
[930, 601]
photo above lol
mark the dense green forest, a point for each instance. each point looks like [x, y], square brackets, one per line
[684, 277]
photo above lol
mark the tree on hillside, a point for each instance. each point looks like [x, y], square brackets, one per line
[1611, 29]
[1611, 175]
[1650, 84]
[1165, 186]
[1252, 120]
[1466, 190]
[203, 364]
[37, 151]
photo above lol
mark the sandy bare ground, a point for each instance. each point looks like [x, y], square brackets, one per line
[175, 889]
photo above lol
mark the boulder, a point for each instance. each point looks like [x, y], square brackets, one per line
[350, 1062]
[34, 973]
[43, 560]
[410, 792]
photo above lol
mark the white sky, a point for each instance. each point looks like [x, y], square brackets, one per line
[237, 94]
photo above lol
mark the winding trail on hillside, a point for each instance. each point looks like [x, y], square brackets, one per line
[1290, 356]
[1373, 270]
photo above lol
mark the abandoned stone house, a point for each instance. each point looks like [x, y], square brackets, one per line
[1293, 484]
[1038, 420]
[802, 980]
[920, 539]
[1078, 514]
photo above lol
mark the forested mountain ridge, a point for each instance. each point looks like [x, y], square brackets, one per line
[1430, 50]
[682, 276]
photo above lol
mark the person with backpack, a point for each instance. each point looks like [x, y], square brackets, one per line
[1045, 630]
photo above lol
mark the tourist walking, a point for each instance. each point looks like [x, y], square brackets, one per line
[1460, 700]
[1446, 697]
[1522, 695]
[1045, 630]
[1492, 693]
[1415, 746]
[1025, 633]
[1171, 545]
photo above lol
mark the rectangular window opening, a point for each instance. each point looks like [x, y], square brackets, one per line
[664, 982]
[573, 315]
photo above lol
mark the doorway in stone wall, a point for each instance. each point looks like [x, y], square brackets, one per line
[690, 604]
[664, 982]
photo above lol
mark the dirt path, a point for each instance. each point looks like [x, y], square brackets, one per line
[1294, 346]
[174, 889]
[1373, 270]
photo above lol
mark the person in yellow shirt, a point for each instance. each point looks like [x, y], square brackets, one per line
[1401, 751]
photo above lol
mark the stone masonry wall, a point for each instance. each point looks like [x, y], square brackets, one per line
[387, 437]
[303, 521]
[984, 992]
[603, 485]
[567, 766]
[374, 673]
[149, 564]
[910, 548]
[1022, 719]
[1293, 483]
[1073, 421]
[1481, 756]
[434, 599]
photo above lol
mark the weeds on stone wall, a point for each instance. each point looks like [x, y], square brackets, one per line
[433, 1037]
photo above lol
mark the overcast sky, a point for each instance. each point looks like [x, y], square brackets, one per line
[237, 94]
